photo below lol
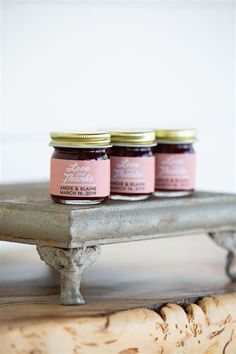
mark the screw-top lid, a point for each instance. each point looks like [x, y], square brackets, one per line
[176, 135]
[129, 137]
[80, 139]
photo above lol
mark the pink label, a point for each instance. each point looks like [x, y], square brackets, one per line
[175, 171]
[134, 175]
[75, 178]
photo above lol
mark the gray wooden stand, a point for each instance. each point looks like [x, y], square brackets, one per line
[68, 238]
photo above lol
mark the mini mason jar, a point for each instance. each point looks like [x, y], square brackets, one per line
[132, 165]
[175, 163]
[80, 167]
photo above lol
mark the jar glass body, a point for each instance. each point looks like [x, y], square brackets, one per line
[175, 169]
[132, 172]
[80, 175]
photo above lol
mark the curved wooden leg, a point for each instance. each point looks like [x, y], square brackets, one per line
[227, 240]
[71, 264]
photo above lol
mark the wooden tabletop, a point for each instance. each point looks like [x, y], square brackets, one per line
[28, 215]
[145, 274]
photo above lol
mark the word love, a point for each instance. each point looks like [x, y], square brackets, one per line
[77, 173]
[173, 166]
[126, 169]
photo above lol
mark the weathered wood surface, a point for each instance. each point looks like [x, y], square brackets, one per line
[139, 280]
[144, 274]
[27, 215]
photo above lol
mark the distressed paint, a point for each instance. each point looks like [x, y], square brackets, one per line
[27, 215]
[227, 240]
[70, 264]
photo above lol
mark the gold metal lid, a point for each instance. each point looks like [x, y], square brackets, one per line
[80, 139]
[142, 137]
[184, 135]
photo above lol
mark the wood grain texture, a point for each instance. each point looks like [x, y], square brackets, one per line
[139, 300]
[145, 274]
[27, 215]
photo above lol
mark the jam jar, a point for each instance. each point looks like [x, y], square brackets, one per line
[132, 165]
[80, 167]
[175, 162]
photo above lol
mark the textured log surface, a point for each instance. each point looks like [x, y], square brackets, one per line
[27, 215]
[208, 327]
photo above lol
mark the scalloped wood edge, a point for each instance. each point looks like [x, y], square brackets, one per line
[207, 327]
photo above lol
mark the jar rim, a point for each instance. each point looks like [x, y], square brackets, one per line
[82, 146]
[172, 142]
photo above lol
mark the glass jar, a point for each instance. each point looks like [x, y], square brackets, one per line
[132, 165]
[80, 167]
[175, 163]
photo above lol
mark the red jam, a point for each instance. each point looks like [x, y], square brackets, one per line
[79, 175]
[132, 170]
[175, 168]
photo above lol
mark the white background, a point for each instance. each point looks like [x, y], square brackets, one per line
[74, 65]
